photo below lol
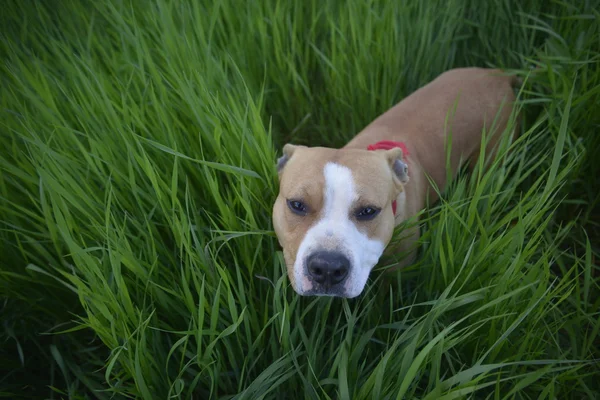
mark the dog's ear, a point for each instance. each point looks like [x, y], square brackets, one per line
[395, 158]
[288, 150]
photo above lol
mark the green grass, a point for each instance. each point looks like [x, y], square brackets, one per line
[137, 258]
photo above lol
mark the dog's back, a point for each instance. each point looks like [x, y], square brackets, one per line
[462, 103]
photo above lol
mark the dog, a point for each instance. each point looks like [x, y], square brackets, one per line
[337, 209]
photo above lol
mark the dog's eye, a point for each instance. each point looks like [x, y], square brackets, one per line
[367, 213]
[297, 207]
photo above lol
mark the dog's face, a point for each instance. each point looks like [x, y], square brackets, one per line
[333, 216]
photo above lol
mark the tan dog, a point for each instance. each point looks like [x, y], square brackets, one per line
[337, 208]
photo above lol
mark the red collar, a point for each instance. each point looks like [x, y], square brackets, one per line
[387, 145]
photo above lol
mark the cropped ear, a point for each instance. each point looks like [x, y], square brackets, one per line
[395, 158]
[288, 150]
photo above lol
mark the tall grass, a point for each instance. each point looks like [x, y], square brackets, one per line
[137, 253]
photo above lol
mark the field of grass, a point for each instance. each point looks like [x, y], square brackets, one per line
[137, 150]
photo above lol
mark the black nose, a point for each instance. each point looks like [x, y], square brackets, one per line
[328, 268]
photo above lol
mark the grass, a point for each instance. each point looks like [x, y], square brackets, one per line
[137, 258]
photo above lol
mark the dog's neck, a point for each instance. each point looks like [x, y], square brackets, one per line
[387, 145]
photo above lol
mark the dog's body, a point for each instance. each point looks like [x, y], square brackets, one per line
[337, 208]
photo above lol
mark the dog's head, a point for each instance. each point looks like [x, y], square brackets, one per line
[333, 216]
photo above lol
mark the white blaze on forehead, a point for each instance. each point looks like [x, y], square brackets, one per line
[339, 192]
[336, 231]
